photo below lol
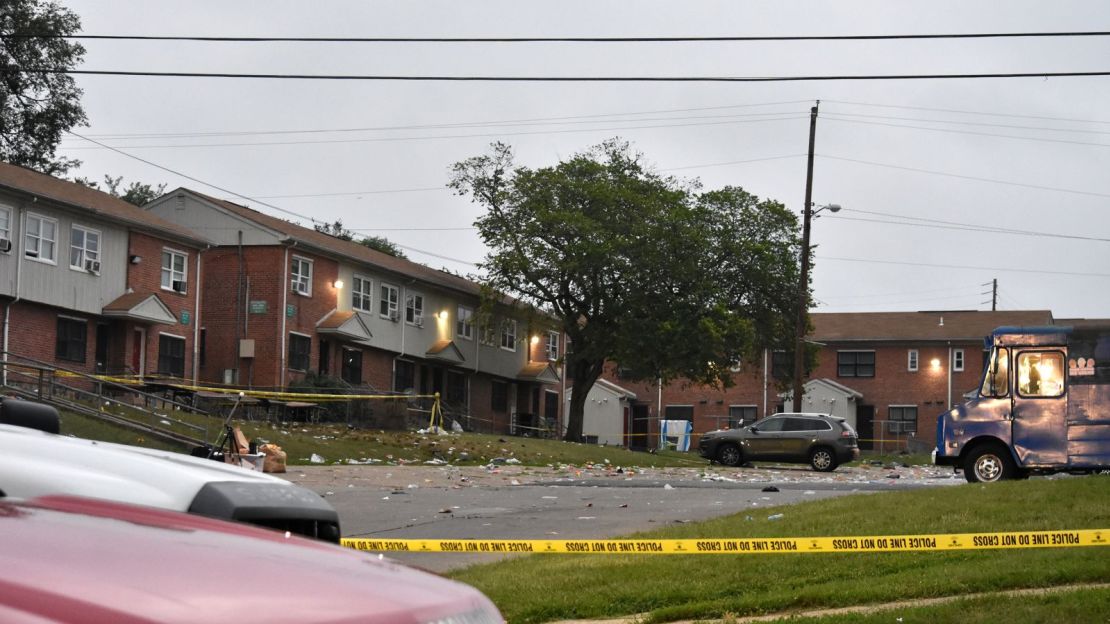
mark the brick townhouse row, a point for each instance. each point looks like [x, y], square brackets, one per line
[889, 373]
[212, 292]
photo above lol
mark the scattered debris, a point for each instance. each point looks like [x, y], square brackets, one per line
[774, 517]
[316, 459]
[770, 488]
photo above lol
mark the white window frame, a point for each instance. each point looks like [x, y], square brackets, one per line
[39, 239]
[391, 302]
[551, 346]
[363, 295]
[288, 347]
[86, 254]
[6, 225]
[916, 411]
[414, 309]
[173, 273]
[957, 360]
[913, 360]
[298, 275]
[508, 335]
[464, 322]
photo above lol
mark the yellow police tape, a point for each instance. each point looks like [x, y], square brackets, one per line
[748, 546]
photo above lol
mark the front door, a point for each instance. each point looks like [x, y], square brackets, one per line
[865, 426]
[1039, 428]
[765, 440]
[640, 417]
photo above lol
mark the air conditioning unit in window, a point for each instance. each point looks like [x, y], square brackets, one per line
[300, 287]
[418, 320]
[5, 245]
[92, 266]
[394, 316]
[179, 286]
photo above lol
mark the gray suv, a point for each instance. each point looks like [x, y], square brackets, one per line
[824, 442]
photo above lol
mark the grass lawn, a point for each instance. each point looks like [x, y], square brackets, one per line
[542, 588]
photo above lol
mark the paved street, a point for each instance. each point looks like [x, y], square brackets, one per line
[515, 502]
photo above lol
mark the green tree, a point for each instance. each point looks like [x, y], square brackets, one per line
[334, 229]
[383, 245]
[641, 269]
[135, 193]
[37, 107]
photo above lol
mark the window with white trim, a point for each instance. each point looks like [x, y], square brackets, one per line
[40, 237]
[6, 225]
[171, 355]
[903, 419]
[958, 360]
[84, 249]
[388, 302]
[414, 309]
[361, 290]
[912, 360]
[301, 280]
[175, 270]
[508, 335]
[300, 351]
[464, 323]
[551, 346]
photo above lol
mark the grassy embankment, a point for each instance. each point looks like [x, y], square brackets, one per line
[542, 588]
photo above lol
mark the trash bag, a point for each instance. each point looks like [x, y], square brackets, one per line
[275, 458]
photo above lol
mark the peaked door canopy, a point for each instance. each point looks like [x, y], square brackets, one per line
[346, 326]
[140, 307]
[445, 351]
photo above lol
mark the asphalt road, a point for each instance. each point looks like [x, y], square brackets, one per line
[513, 502]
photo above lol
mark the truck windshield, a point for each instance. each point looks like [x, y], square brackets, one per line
[996, 378]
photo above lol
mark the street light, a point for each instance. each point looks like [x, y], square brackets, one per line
[803, 309]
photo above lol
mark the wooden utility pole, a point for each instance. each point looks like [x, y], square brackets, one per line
[803, 283]
[994, 295]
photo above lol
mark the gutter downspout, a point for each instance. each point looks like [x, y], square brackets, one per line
[949, 376]
[766, 413]
[17, 248]
[196, 320]
[285, 287]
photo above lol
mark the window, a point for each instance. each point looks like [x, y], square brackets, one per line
[805, 424]
[486, 333]
[679, 412]
[551, 346]
[740, 415]
[361, 290]
[39, 239]
[464, 323]
[352, 366]
[769, 425]
[1040, 373]
[300, 349]
[301, 272]
[958, 360]
[855, 363]
[84, 249]
[903, 418]
[911, 360]
[171, 355]
[404, 376]
[499, 396]
[6, 227]
[508, 335]
[782, 365]
[174, 270]
[71, 340]
[387, 306]
[414, 310]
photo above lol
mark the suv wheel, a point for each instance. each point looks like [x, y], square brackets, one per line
[729, 455]
[822, 459]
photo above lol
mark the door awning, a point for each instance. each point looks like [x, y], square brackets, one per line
[446, 351]
[140, 307]
[542, 372]
[346, 325]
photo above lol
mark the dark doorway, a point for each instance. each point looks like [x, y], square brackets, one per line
[550, 409]
[865, 426]
[101, 348]
[639, 438]
[325, 357]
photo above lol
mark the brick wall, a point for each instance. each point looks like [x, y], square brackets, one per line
[146, 277]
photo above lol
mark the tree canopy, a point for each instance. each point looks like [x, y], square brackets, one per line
[36, 108]
[136, 193]
[379, 243]
[642, 270]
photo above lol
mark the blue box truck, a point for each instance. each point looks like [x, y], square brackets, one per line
[1043, 406]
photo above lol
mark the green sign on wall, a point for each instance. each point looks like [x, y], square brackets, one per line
[184, 317]
[259, 307]
[290, 310]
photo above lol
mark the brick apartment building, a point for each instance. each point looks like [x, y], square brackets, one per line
[889, 373]
[92, 283]
[283, 302]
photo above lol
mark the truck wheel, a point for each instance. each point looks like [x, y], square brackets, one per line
[988, 464]
[729, 455]
[822, 459]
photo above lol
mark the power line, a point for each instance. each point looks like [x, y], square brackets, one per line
[430, 78]
[833, 117]
[963, 266]
[966, 177]
[969, 227]
[690, 39]
[976, 123]
[904, 292]
[967, 112]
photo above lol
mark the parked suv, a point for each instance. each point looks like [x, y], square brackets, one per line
[824, 442]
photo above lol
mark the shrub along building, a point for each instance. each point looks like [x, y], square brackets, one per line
[92, 283]
[284, 304]
[888, 373]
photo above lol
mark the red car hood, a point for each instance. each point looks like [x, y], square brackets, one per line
[65, 559]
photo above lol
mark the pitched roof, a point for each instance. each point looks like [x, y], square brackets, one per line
[960, 325]
[347, 249]
[97, 202]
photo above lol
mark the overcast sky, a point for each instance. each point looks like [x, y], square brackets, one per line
[1027, 154]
